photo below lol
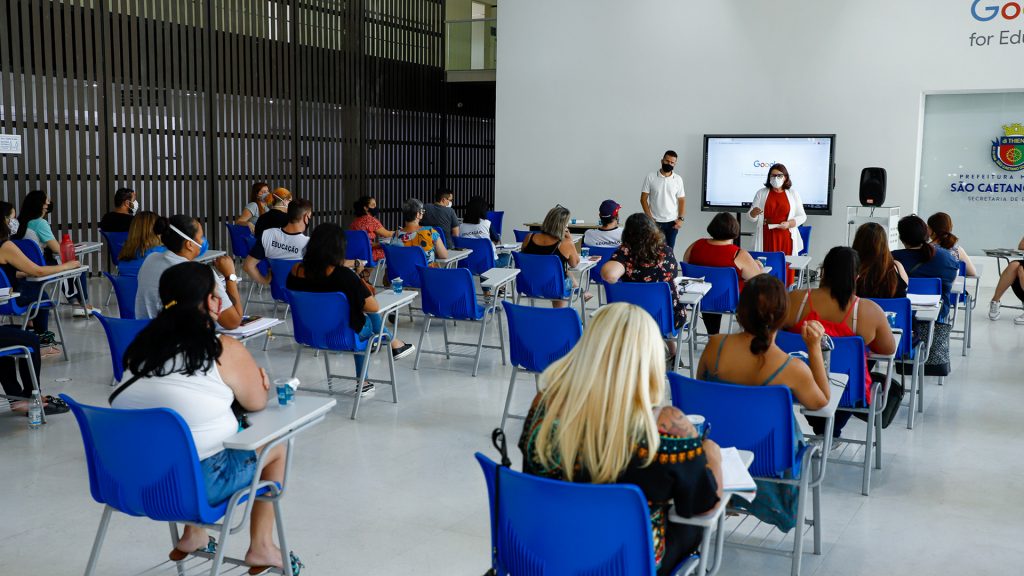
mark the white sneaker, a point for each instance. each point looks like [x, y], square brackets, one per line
[993, 310]
[1019, 320]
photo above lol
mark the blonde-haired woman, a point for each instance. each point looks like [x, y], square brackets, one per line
[598, 409]
[554, 239]
[141, 242]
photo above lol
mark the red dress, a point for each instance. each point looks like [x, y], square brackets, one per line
[704, 253]
[370, 225]
[776, 211]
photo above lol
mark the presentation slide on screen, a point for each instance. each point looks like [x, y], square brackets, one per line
[736, 168]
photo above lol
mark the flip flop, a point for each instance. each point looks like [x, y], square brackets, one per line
[297, 566]
[179, 555]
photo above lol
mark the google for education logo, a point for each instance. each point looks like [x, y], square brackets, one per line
[987, 11]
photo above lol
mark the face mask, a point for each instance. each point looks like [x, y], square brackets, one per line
[778, 181]
[185, 236]
[374, 212]
[13, 225]
[135, 206]
[667, 167]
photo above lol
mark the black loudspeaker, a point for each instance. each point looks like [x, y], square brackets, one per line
[872, 186]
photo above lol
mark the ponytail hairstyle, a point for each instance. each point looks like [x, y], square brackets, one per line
[326, 248]
[183, 328]
[171, 239]
[762, 310]
[914, 235]
[32, 207]
[839, 274]
[941, 226]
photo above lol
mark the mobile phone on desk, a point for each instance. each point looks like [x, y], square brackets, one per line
[250, 319]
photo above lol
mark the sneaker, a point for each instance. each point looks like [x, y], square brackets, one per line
[399, 353]
[1019, 320]
[79, 312]
[993, 310]
[368, 389]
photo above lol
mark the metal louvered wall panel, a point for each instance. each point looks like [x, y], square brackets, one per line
[191, 101]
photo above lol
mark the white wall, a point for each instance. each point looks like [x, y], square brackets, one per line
[590, 93]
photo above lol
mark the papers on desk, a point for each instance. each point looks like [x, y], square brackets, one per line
[253, 327]
[924, 300]
[735, 476]
[509, 246]
[4, 292]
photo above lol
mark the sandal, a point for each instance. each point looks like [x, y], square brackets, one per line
[55, 405]
[179, 555]
[49, 351]
[297, 566]
[46, 338]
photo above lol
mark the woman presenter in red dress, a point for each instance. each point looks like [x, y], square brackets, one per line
[777, 211]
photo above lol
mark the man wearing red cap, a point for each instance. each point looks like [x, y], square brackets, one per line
[609, 233]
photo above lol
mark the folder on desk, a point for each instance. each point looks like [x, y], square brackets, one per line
[735, 476]
[252, 327]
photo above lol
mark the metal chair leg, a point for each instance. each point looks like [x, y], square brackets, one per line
[508, 396]
[101, 534]
[298, 355]
[286, 561]
[419, 347]
[480, 346]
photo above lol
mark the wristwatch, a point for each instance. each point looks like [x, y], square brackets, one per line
[233, 278]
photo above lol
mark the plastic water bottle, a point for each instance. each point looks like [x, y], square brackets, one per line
[67, 249]
[35, 411]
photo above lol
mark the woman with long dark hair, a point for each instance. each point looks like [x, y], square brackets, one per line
[323, 270]
[179, 361]
[837, 308]
[777, 212]
[879, 276]
[751, 358]
[922, 260]
[366, 211]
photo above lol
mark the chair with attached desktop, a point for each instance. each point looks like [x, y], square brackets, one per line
[115, 242]
[961, 300]
[521, 235]
[481, 259]
[542, 277]
[911, 355]
[760, 419]
[496, 218]
[29, 311]
[120, 334]
[279, 270]
[656, 299]
[931, 287]
[544, 526]
[776, 261]
[724, 295]
[242, 240]
[405, 262]
[144, 463]
[448, 294]
[536, 338]
[23, 353]
[847, 358]
[359, 247]
[321, 322]
[125, 288]
[605, 252]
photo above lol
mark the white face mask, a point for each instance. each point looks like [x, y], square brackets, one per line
[135, 206]
[185, 236]
[778, 181]
[13, 225]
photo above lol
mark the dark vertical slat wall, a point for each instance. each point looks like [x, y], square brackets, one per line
[191, 101]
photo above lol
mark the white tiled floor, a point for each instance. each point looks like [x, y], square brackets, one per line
[398, 491]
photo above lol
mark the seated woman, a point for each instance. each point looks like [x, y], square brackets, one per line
[879, 276]
[940, 226]
[34, 211]
[259, 199]
[412, 234]
[922, 260]
[366, 220]
[751, 358]
[323, 270]
[554, 239]
[721, 251]
[1012, 277]
[615, 376]
[15, 376]
[476, 225]
[276, 215]
[141, 242]
[837, 308]
[14, 263]
[643, 256]
[179, 361]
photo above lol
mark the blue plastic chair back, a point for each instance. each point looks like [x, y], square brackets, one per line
[554, 527]
[755, 418]
[605, 252]
[540, 276]
[539, 336]
[805, 235]
[449, 293]
[924, 286]
[242, 240]
[521, 234]
[359, 247]
[404, 262]
[904, 318]
[496, 218]
[955, 299]
[11, 307]
[120, 333]
[847, 358]
[279, 269]
[724, 295]
[114, 241]
[654, 297]
[320, 320]
[125, 288]
[31, 250]
[482, 257]
[144, 463]
[443, 234]
[777, 261]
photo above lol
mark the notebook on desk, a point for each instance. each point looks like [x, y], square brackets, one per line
[735, 476]
[252, 327]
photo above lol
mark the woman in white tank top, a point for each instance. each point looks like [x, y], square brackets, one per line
[180, 362]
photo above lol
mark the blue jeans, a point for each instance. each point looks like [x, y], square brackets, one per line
[371, 327]
[670, 232]
[29, 294]
[227, 472]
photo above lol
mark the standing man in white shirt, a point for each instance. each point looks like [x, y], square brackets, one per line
[663, 198]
